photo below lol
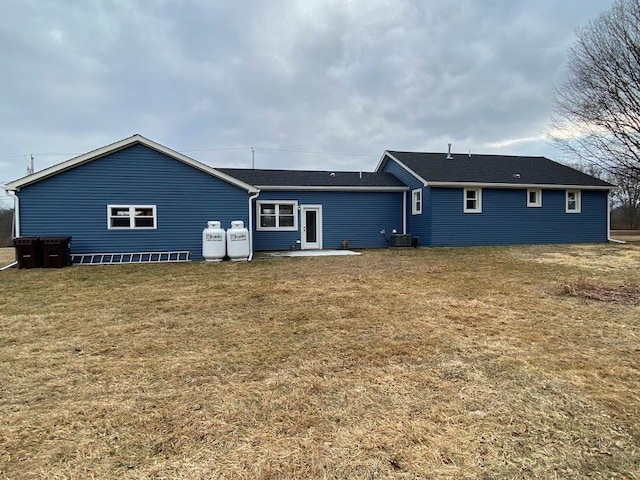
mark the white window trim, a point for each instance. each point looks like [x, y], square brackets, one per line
[132, 211]
[538, 202]
[277, 203]
[478, 208]
[578, 208]
[417, 193]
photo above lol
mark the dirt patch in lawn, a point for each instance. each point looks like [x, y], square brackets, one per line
[407, 363]
[605, 293]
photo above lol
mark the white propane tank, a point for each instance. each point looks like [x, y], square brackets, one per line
[238, 241]
[214, 246]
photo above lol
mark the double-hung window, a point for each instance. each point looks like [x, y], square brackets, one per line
[277, 215]
[416, 201]
[131, 217]
[573, 201]
[472, 200]
[534, 197]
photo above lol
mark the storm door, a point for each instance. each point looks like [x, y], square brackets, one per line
[311, 221]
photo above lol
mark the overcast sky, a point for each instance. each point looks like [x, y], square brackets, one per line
[338, 77]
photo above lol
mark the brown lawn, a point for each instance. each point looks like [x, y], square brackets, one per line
[427, 363]
[7, 256]
[630, 236]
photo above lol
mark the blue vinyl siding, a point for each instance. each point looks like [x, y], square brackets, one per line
[420, 225]
[417, 225]
[354, 216]
[75, 203]
[506, 219]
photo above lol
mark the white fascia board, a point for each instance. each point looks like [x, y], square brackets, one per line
[418, 177]
[381, 161]
[320, 188]
[517, 185]
[119, 145]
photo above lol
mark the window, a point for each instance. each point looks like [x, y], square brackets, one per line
[416, 201]
[573, 201]
[472, 200]
[534, 197]
[277, 215]
[131, 217]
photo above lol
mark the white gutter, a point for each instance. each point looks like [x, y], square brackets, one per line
[251, 199]
[321, 188]
[16, 214]
[609, 223]
[546, 186]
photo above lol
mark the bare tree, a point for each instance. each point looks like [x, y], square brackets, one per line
[625, 202]
[597, 108]
[625, 199]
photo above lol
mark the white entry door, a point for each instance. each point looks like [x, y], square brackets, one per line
[311, 221]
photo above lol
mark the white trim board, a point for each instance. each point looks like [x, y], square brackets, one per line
[387, 154]
[119, 145]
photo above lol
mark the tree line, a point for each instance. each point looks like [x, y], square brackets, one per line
[6, 222]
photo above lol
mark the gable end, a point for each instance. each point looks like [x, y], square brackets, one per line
[16, 185]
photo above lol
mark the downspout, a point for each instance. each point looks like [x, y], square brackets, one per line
[16, 214]
[15, 226]
[251, 199]
[404, 212]
[609, 221]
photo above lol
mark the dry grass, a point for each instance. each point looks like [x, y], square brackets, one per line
[631, 236]
[612, 259]
[428, 363]
[7, 256]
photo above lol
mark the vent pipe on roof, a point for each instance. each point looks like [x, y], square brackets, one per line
[253, 158]
[449, 157]
[361, 175]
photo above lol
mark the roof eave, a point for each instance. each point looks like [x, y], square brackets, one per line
[381, 161]
[418, 177]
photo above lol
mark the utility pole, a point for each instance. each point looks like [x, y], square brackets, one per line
[253, 158]
[31, 168]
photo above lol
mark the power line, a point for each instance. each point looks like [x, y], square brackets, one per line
[283, 150]
[318, 153]
[41, 155]
[214, 149]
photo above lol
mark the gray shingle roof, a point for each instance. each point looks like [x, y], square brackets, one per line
[435, 167]
[306, 178]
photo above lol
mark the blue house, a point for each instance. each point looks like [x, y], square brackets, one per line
[136, 195]
[497, 199]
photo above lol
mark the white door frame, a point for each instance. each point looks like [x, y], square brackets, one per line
[304, 245]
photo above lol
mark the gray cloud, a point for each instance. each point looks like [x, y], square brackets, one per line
[332, 76]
